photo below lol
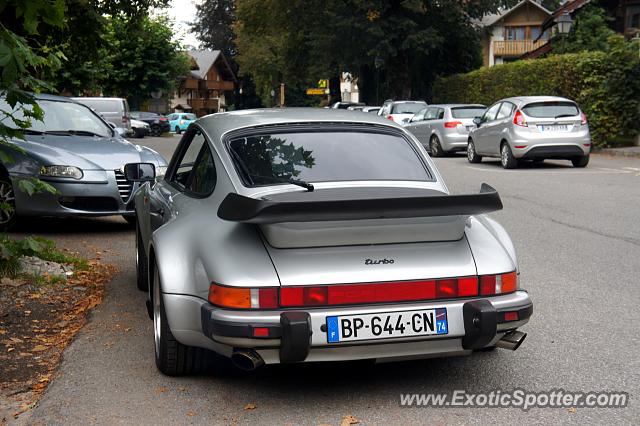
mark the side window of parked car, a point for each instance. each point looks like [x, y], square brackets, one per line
[196, 171]
[490, 114]
[440, 113]
[419, 116]
[505, 110]
[431, 114]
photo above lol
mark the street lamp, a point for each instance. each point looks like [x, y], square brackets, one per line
[564, 23]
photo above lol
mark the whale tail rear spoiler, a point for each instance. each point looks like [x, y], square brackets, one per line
[356, 204]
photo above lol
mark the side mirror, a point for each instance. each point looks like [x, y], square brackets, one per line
[477, 121]
[140, 172]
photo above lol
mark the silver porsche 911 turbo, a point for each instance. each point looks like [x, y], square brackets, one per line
[75, 151]
[302, 235]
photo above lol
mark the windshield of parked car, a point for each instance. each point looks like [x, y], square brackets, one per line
[407, 107]
[266, 159]
[188, 116]
[551, 109]
[62, 117]
[467, 112]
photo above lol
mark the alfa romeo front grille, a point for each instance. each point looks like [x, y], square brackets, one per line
[124, 186]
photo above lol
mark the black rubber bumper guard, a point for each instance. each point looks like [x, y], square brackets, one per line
[480, 317]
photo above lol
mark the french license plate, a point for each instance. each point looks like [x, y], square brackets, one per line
[386, 325]
[553, 127]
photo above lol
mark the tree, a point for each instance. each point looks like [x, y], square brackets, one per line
[141, 58]
[298, 42]
[214, 27]
[590, 32]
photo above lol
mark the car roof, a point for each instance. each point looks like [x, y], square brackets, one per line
[97, 98]
[220, 123]
[407, 102]
[455, 105]
[529, 99]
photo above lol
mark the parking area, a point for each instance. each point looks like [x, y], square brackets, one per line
[576, 234]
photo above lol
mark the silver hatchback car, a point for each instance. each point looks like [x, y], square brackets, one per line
[444, 128]
[531, 128]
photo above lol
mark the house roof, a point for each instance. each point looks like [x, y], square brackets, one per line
[205, 59]
[493, 18]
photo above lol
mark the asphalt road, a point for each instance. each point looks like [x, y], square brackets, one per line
[578, 241]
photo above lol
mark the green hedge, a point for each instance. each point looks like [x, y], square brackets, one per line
[606, 85]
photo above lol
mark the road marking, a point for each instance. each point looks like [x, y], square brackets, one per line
[633, 170]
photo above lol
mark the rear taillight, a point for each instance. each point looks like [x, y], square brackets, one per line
[518, 119]
[390, 117]
[125, 119]
[452, 124]
[243, 298]
[583, 118]
[498, 284]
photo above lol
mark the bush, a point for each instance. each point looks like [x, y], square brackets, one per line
[606, 85]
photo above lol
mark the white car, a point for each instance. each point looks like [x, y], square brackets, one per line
[399, 111]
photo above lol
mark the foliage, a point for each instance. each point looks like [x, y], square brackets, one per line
[214, 26]
[141, 58]
[298, 42]
[590, 31]
[606, 85]
[11, 250]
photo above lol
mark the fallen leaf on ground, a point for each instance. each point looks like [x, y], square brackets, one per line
[572, 410]
[250, 407]
[349, 420]
[190, 413]
[39, 348]
[162, 389]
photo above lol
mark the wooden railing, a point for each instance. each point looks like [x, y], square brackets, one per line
[219, 85]
[515, 47]
[200, 103]
[190, 83]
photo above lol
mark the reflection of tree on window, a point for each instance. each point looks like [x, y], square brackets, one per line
[271, 158]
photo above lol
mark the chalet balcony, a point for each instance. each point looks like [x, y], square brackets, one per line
[190, 83]
[220, 85]
[515, 47]
[200, 103]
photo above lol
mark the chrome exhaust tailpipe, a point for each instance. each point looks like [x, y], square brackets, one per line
[246, 359]
[512, 340]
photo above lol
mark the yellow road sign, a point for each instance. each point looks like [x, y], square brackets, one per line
[323, 84]
[316, 91]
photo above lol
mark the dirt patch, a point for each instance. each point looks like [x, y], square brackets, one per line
[37, 322]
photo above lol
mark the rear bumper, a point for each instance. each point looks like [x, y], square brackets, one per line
[455, 141]
[563, 152]
[296, 336]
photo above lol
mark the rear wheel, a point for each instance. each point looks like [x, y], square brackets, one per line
[506, 157]
[472, 155]
[580, 161]
[178, 131]
[435, 147]
[142, 265]
[155, 130]
[172, 357]
[7, 204]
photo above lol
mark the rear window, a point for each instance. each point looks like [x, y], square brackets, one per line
[551, 109]
[467, 112]
[189, 116]
[407, 108]
[266, 159]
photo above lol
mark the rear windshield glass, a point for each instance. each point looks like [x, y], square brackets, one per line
[407, 108]
[551, 109]
[325, 156]
[189, 116]
[467, 112]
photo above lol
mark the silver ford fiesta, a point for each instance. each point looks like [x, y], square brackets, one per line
[301, 235]
[79, 154]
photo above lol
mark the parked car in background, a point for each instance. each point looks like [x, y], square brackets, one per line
[158, 124]
[140, 128]
[351, 256]
[355, 108]
[400, 110]
[371, 109]
[345, 105]
[444, 128]
[180, 121]
[113, 110]
[531, 128]
[76, 152]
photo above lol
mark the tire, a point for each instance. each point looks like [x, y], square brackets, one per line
[436, 147]
[178, 131]
[580, 161]
[131, 220]
[155, 130]
[507, 159]
[472, 155]
[8, 200]
[172, 357]
[142, 264]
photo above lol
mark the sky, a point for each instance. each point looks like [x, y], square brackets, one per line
[182, 12]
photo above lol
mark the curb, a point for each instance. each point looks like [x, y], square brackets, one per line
[620, 152]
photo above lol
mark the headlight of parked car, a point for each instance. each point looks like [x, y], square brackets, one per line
[61, 171]
[160, 171]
